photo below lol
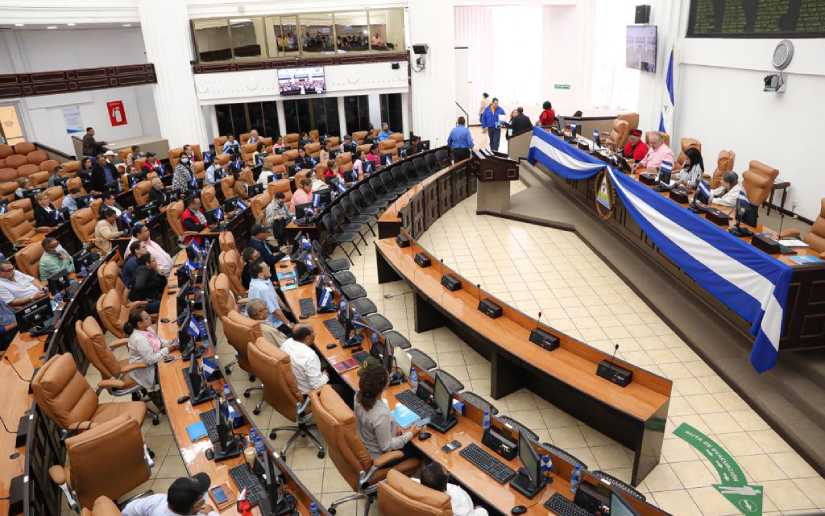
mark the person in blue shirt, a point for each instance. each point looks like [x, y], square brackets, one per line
[460, 140]
[261, 287]
[127, 274]
[231, 146]
[259, 243]
[385, 132]
[490, 122]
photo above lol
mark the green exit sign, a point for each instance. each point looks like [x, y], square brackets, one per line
[561, 86]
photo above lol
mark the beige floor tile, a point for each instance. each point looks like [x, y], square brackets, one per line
[759, 468]
[568, 437]
[770, 441]
[694, 474]
[721, 423]
[612, 456]
[677, 450]
[676, 502]
[710, 501]
[793, 465]
[814, 489]
[786, 495]
[739, 443]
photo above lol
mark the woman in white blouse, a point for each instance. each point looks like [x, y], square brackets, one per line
[146, 347]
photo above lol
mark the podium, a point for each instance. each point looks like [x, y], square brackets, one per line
[494, 172]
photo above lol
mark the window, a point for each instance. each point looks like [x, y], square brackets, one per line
[241, 118]
[352, 32]
[282, 32]
[391, 109]
[212, 40]
[387, 29]
[316, 33]
[357, 110]
[245, 34]
[307, 114]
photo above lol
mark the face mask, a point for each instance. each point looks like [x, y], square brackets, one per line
[185, 161]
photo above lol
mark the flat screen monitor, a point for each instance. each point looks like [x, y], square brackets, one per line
[214, 216]
[529, 459]
[641, 47]
[702, 195]
[302, 81]
[302, 209]
[620, 507]
[665, 171]
[34, 313]
[746, 213]
[443, 398]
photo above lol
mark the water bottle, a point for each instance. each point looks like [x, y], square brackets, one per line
[313, 509]
[227, 392]
[413, 380]
[546, 466]
[83, 271]
[485, 420]
[575, 478]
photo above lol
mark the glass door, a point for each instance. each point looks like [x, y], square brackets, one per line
[11, 130]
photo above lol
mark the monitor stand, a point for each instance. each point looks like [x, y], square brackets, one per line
[739, 231]
[234, 447]
[522, 483]
[442, 425]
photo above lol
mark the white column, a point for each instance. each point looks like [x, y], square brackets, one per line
[433, 89]
[168, 41]
[342, 117]
[405, 114]
[375, 109]
[211, 118]
[279, 107]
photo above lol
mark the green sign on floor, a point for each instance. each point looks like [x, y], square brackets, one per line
[733, 486]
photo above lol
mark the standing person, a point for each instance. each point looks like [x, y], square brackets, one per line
[483, 106]
[548, 116]
[182, 176]
[519, 123]
[635, 148]
[490, 122]
[91, 147]
[460, 140]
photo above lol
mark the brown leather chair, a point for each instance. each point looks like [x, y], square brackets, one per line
[631, 118]
[114, 371]
[103, 506]
[27, 260]
[49, 165]
[240, 330]
[76, 182]
[113, 311]
[273, 160]
[246, 176]
[71, 168]
[758, 181]
[243, 138]
[228, 187]
[315, 135]
[36, 157]
[141, 192]
[24, 204]
[816, 236]
[724, 163]
[291, 140]
[618, 134]
[17, 227]
[230, 263]
[209, 199]
[247, 151]
[221, 295]
[358, 137]
[24, 148]
[5, 150]
[199, 169]
[313, 150]
[28, 170]
[223, 159]
[95, 207]
[7, 188]
[686, 143]
[83, 223]
[398, 138]
[280, 390]
[399, 495]
[174, 156]
[267, 141]
[333, 143]
[388, 147]
[55, 194]
[16, 161]
[173, 213]
[280, 185]
[219, 141]
[108, 277]
[64, 395]
[226, 240]
[365, 148]
[258, 206]
[109, 460]
[303, 174]
[337, 424]
[344, 161]
[8, 174]
[289, 157]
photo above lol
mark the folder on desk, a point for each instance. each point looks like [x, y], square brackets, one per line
[403, 416]
[197, 431]
[345, 365]
[286, 275]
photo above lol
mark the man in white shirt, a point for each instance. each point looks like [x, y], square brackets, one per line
[260, 287]
[213, 174]
[306, 366]
[141, 233]
[434, 477]
[186, 496]
[18, 288]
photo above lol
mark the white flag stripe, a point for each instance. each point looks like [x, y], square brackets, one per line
[562, 158]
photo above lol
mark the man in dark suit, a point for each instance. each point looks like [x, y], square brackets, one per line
[259, 243]
[519, 124]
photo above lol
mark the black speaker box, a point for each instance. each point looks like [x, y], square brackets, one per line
[422, 260]
[614, 373]
[402, 240]
[490, 309]
[451, 283]
[544, 339]
[765, 243]
[642, 14]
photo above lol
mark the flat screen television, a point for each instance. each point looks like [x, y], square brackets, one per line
[641, 47]
[302, 81]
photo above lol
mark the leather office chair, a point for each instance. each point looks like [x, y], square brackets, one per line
[243, 138]
[337, 424]
[64, 395]
[71, 167]
[240, 330]
[398, 138]
[291, 140]
[36, 157]
[267, 141]
[358, 137]
[247, 151]
[27, 260]
[95, 207]
[365, 148]
[280, 185]
[631, 118]
[333, 143]
[5, 150]
[273, 160]
[108, 277]
[258, 206]
[103, 506]
[17, 227]
[174, 156]
[230, 263]
[618, 134]
[758, 181]
[344, 161]
[24, 204]
[83, 223]
[219, 141]
[55, 194]
[7, 188]
[16, 161]
[199, 170]
[27, 170]
[685, 144]
[388, 147]
[247, 177]
[816, 236]
[223, 159]
[24, 148]
[76, 182]
[48, 165]
[724, 163]
[221, 295]
[313, 150]
[173, 213]
[315, 135]
[109, 460]
[226, 240]
[113, 312]
[289, 157]
[141, 192]
[280, 390]
[209, 199]
[228, 187]
[399, 495]
[115, 372]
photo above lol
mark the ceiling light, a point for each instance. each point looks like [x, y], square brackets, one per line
[71, 24]
[127, 24]
[19, 24]
[51, 27]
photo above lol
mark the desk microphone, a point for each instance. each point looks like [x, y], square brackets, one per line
[18, 372]
[613, 372]
[613, 358]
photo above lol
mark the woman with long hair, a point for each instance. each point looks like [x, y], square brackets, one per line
[376, 426]
[147, 348]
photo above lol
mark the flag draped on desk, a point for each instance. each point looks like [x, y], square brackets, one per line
[745, 279]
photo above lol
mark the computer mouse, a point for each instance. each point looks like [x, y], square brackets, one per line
[168, 358]
[423, 436]
[183, 399]
[164, 320]
[518, 509]
[332, 345]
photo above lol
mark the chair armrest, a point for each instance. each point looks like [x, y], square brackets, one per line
[822, 255]
[790, 232]
[43, 229]
[58, 474]
[132, 367]
[192, 233]
[135, 304]
[109, 384]
[391, 457]
[118, 343]
[80, 426]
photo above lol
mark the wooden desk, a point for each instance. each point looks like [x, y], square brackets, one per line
[634, 415]
[182, 415]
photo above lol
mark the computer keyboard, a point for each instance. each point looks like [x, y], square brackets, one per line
[307, 307]
[560, 505]
[487, 463]
[255, 491]
[410, 400]
[335, 328]
[210, 421]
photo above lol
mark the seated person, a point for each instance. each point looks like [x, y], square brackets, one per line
[23, 184]
[157, 194]
[376, 427]
[727, 194]
[258, 241]
[106, 230]
[231, 145]
[302, 195]
[266, 176]
[55, 260]
[250, 256]
[135, 175]
[656, 154]
[110, 201]
[305, 364]
[45, 214]
[261, 287]
[693, 170]
[329, 172]
[70, 201]
[358, 164]
[152, 164]
[256, 309]
[279, 143]
[18, 288]
[304, 160]
[55, 179]
[193, 219]
[239, 188]
[434, 477]
[140, 232]
[8, 326]
[350, 176]
[145, 347]
[149, 283]
[373, 157]
[348, 145]
[259, 155]
[385, 132]
[213, 174]
[185, 496]
[635, 149]
[127, 273]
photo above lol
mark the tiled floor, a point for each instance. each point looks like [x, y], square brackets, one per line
[552, 271]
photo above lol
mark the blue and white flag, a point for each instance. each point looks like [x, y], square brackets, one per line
[193, 328]
[669, 104]
[567, 161]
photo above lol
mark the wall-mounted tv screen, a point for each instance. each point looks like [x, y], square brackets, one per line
[302, 81]
[641, 47]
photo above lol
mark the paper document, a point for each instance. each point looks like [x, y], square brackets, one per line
[793, 242]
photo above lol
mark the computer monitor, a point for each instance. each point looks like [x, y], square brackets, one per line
[702, 195]
[746, 213]
[402, 360]
[34, 313]
[253, 190]
[324, 294]
[184, 279]
[59, 283]
[620, 507]
[196, 379]
[665, 171]
[302, 210]
[214, 216]
[529, 459]
[443, 398]
[229, 204]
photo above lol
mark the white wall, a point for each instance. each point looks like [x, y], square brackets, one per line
[562, 63]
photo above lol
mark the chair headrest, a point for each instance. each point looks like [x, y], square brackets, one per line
[417, 492]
